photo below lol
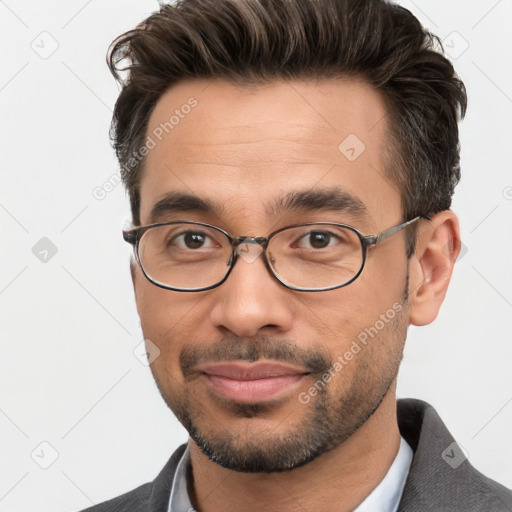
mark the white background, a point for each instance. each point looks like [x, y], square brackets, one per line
[68, 374]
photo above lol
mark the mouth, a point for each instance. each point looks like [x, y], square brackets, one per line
[252, 382]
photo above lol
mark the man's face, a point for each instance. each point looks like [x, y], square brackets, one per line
[250, 367]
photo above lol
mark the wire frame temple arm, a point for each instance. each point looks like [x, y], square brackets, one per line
[375, 239]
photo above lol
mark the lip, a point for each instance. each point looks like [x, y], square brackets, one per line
[252, 382]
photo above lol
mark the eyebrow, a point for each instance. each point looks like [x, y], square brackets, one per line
[328, 199]
[175, 202]
[307, 201]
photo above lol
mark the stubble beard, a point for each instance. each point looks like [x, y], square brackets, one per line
[327, 421]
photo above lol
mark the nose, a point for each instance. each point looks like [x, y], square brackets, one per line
[251, 299]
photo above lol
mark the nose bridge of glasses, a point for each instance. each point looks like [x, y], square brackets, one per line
[249, 248]
[255, 240]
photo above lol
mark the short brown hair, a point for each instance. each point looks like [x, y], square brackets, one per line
[258, 41]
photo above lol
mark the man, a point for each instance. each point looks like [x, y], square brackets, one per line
[290, 166]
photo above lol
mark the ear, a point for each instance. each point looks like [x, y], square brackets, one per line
[431, 266]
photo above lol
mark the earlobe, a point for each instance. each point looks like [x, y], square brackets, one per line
[437, 247]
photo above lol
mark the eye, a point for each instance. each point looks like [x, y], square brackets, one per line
[193, 240]
[318, 240]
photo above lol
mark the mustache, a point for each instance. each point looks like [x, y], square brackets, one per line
[315, 361]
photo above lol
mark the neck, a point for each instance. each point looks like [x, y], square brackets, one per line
[336, 481]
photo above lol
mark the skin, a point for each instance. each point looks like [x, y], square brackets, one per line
[242, 147]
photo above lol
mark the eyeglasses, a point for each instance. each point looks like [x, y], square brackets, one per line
[191, 256]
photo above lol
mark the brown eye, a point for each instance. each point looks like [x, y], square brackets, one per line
[319, 240]
[193, 240]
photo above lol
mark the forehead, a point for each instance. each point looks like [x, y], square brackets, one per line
[247, 145]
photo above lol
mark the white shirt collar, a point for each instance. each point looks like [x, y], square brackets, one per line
[180, 500]
[386, 496]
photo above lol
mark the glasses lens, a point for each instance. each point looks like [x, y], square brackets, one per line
[185, 256]
[316, 256]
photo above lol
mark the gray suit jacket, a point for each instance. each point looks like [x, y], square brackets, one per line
[440, 478]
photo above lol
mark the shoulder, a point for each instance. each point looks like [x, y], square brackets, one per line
[153, 496]
[441, 477]
[132, 501]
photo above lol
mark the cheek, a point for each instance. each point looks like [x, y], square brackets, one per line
[368, 351]
[361, 324]
[340, 317]
[167, 318]
[381, 283]
[162, 311]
